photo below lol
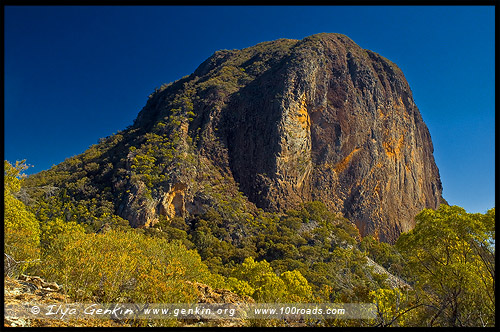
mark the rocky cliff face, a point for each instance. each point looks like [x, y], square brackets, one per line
[335, 123]
[272, 126]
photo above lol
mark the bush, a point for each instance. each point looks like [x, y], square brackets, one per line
[124, 266]
[22, 232]
[258, 280]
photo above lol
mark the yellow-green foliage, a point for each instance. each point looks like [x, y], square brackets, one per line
[124, 265]
[150, 159]
[451, 257]
[391, 305]
[22, 234]
[240, 286]
[12, 176]
[296, 286]
[56, 227]
[258, 280]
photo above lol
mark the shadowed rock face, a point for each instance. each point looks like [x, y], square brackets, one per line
[335, 123]
[283, 122]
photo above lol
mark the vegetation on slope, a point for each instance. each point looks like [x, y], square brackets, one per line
[305, 255]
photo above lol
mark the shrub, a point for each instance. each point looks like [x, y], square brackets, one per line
[22, 232]
[124, 266]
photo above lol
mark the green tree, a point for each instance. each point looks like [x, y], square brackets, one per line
[260, 282]
[22, 232]
[451, 256]
[267, 286]
[393, 307]
[297, 288]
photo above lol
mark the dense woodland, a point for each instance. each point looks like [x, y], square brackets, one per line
[69, 233]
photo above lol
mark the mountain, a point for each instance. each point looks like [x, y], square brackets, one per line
[266, 127]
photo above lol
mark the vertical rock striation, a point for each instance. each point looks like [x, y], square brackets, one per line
[336, 123]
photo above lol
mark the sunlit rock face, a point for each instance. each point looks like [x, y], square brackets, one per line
[333, 122]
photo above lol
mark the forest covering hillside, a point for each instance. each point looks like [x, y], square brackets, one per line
[308, 255]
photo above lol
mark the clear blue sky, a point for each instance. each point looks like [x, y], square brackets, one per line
[75, 74]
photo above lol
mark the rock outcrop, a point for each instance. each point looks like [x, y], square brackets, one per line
[392, 280]
[336, 123]
[323, 119]
[283, 122]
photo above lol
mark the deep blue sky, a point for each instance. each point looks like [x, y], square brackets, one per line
[75, 74]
